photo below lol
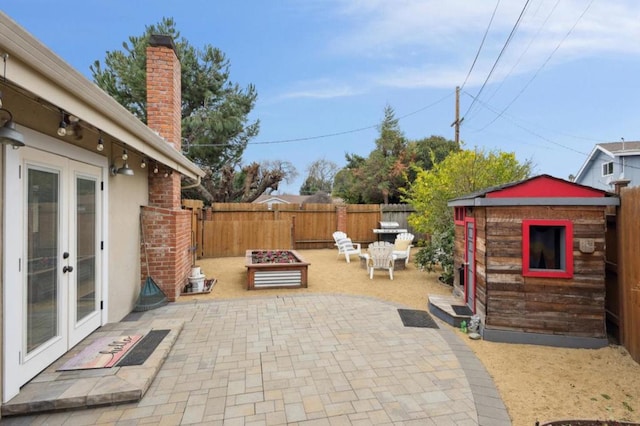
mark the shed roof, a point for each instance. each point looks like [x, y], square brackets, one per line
[538, 190]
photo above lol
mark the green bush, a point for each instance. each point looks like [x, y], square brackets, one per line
[438, 251]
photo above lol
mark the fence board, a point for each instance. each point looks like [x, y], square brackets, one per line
[306, 226]
[233, 238]
[628, 269]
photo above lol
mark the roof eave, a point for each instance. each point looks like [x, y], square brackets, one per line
[68, 89]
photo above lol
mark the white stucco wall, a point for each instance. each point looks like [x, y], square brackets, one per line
[126, 195]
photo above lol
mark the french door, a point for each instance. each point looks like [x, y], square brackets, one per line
[57, 279]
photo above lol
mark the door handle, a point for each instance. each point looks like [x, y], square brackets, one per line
[66, 269]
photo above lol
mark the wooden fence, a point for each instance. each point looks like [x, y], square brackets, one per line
[229, 229]
[625, 256]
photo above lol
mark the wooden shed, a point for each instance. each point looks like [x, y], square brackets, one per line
[531, 261]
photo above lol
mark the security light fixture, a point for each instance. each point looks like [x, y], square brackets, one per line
[8, 133]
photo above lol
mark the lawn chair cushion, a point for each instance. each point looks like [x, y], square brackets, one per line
[401, 245]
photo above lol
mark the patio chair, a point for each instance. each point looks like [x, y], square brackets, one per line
[380, 256]
[402, 246]
[338, 235]
[348, 247]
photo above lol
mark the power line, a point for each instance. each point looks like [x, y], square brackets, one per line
[541, 66]
[528, 130]
[524, 52]
[328, 135]
[506, 44]
[484, 37]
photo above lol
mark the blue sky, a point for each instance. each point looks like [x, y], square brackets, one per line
[568, 78]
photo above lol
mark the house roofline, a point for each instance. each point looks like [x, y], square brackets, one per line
[31, 61]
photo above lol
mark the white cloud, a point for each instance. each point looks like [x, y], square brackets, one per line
[431, 43]
[319, 89]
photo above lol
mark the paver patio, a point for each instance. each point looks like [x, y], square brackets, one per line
[303, 359]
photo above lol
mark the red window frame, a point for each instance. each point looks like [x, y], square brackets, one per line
[459, 215]
[567, 272]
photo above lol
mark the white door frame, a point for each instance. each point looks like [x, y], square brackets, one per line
[13, 246]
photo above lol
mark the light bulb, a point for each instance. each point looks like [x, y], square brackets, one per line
[155, 169]
[100, 146]
[143, 164]
[62, 129]
[125, 156]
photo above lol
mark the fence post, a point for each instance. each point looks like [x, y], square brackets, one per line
[293, 232]
[341, 219]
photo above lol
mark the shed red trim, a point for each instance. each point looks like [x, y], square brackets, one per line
[527, 270]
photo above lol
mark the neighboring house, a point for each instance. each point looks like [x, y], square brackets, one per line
[531, 256]
[610, 162]
[72, 201]
[280, 199]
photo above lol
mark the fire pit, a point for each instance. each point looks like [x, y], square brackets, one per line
[275, 269]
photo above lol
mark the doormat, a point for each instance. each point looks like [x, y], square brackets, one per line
[105, 352]
[462, 310]
[144, 348]
[413, 318]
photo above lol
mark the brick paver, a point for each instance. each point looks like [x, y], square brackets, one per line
[307, 360]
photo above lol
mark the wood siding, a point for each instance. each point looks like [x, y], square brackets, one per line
[572, 306]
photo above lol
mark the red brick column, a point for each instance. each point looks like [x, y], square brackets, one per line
[168, 238]
[341, 213]
[167, 227]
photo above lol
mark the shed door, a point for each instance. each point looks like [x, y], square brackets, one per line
[470, 274]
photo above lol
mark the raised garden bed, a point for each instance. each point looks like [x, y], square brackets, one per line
[275, 269]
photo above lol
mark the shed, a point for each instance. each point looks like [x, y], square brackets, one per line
[531, 257]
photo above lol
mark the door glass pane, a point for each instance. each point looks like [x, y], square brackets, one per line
[86, 244]
[42, 257]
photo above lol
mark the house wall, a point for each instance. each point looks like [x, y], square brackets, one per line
[1, 268]
[126, 195]
[593, 175]
[573, 306]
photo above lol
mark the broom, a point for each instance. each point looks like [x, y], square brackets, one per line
[151, 296]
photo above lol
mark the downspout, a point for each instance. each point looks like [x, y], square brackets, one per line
[193, 185]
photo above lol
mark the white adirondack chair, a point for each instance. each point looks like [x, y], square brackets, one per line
[402, 246]
[348, 248]
[380, 256]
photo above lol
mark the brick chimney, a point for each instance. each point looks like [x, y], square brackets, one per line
[164, 114]
[167, 227]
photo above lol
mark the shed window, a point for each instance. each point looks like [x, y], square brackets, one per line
[459, 215]
[547, 248]
[607, 168]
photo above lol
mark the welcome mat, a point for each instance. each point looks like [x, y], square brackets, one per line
[414, 318]
[105, 352]
[462, 310]
[144, 348]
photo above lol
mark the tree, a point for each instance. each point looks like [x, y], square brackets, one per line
[215, 123]
[429, 151]
[460, 173]
[320, 175]
[345, 183]
[244, 186]
[379, 177]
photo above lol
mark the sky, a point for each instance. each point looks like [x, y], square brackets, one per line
[544, 79]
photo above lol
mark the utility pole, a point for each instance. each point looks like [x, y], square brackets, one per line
[456, 124]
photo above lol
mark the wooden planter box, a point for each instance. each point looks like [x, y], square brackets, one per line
[276, 275]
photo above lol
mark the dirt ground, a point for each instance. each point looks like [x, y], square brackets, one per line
[535, 382]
